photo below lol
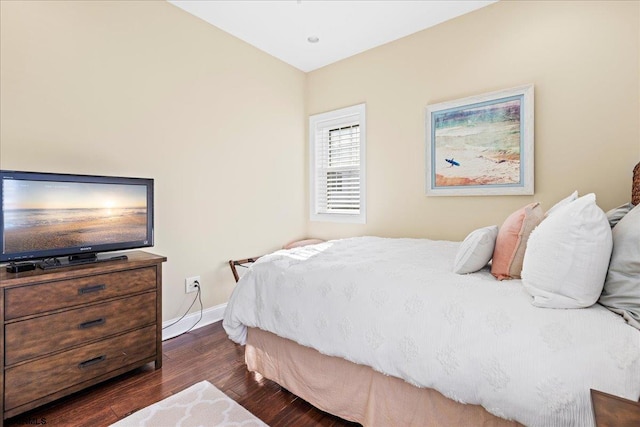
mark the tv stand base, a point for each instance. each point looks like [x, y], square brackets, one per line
[83, 257]
[78, 260]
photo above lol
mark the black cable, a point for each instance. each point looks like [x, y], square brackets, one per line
[201, 309]
[197, 297]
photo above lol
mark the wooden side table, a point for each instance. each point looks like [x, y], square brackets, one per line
[614, 411]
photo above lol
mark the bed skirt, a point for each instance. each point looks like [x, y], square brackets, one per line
[356, 392]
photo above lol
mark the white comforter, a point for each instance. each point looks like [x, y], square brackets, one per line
[395, 305]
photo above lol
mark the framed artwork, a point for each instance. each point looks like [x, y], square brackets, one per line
[481, 145]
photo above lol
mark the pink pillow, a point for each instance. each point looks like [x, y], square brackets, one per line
[299, 243]
[512, 241]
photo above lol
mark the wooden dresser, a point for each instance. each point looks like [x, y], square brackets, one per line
[69, 328]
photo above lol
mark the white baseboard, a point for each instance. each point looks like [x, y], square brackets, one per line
[209, 316]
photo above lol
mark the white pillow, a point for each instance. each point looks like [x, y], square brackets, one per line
[476, 250]
[621, 293]
[567, 256]
[570, 198]
[616, 214]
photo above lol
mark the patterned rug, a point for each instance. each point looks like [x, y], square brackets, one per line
[199, 405]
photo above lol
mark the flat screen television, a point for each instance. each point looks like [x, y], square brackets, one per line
[48, 216]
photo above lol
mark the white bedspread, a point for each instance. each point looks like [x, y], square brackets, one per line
[395, 305]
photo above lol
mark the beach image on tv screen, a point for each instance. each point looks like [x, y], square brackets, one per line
[44, 215]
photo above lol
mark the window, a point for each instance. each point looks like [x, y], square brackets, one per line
[337, 160]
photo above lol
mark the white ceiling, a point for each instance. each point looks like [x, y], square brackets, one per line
[344, 27]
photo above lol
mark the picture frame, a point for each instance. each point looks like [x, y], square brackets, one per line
[481, 145]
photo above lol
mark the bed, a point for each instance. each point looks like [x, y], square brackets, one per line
[381, 331]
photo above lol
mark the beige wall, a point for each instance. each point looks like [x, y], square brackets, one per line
[145, 89]
[582, 58]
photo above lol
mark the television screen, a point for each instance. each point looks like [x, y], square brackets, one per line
[49, 215]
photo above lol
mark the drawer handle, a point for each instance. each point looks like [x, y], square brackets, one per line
[92, 323]
[93, 361]
[89, 289]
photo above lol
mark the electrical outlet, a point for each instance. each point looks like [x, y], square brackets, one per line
[190, 284]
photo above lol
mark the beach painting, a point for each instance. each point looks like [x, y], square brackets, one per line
[481, 145]
[44, 215]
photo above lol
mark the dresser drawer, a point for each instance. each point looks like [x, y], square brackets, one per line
[28, 300]
[33, 380]
[51, 333]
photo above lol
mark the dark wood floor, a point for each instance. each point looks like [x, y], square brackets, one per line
[203, 354]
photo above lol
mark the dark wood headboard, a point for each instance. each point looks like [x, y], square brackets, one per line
[635, 187]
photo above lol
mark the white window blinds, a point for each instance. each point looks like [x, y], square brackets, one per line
[337, 168]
